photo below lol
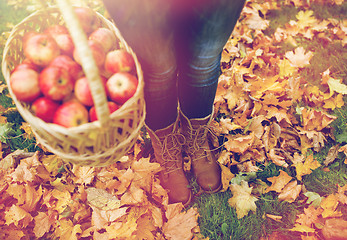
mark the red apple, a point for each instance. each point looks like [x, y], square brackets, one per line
[88, 19]
[26, 63]
[45, 108]
[69, 65]
[62, 37]
[92, 112]
[71, 114]
[121, 86]
[105, 37]
[119, 61]
[40, 48]
[25, 84]
[56, 29]
[82, 90]
[56, 83]
[97, 51]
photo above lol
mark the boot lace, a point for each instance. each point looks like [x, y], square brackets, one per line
[171, 146]
[196, 140]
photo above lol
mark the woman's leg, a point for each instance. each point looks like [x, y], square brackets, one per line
[145, 27]
[200, 38]
[200, 41]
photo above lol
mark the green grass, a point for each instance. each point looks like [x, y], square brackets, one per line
[219, 221]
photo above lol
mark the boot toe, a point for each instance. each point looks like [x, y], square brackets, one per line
[209, 182]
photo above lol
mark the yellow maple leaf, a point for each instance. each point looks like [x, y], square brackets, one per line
[302, 228]
[316, 120]
[242, 199]
[329, 205]
[305, 19]
[306, 167]
[298, 58]
[334, 102]
[64, 199]
[68, 230]
[278, 182]
[286, 68]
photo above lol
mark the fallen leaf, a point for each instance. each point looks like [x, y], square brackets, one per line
[68, 230]
[242, 199]
[341, 194]
[313, 198]
[278, 182]
[332, 154]
[298, 57]
[239, 144]
[335, 229]
[84, 174]
[180, 224]
[101, 199]
[329, 205]
[306, 167]
[310, 216]
[18, 216]
[43, 223]
[290, 192]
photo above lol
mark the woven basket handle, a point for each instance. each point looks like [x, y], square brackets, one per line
[89, 66]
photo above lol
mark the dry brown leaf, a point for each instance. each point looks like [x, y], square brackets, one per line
[18, 216]
[84, 174]
[290, 192]
[239, 144]
[180, 224]
[335, 229]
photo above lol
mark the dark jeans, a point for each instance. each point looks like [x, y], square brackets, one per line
[179, 50]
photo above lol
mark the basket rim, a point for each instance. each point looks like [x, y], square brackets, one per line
[89, 125]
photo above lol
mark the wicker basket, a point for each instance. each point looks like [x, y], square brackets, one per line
[98, 143]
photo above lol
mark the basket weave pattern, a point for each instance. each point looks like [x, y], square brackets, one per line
[90, 144]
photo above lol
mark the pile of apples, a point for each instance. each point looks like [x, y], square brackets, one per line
[51, 79]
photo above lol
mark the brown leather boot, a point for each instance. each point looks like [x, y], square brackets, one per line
[198, 148]
[167, 144]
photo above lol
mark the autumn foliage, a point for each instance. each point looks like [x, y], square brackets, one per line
[267, 112]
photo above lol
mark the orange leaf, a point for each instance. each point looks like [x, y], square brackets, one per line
[310, 216]
[329, 205]
[18, 216]
[279, 182]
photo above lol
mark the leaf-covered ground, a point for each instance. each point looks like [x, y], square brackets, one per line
[280, 132]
